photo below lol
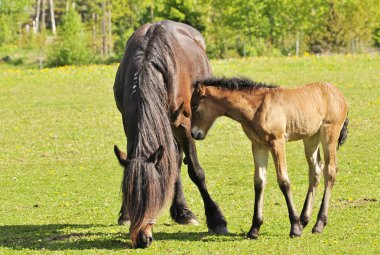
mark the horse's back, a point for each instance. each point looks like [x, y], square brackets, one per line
[188, 48]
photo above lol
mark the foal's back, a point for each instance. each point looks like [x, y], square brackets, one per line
[300, 112]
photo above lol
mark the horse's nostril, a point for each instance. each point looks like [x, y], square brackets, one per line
[150, 239]
[197, 135]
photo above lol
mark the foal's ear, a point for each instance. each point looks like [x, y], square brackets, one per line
[121, 156]
[197, 85]
[200, 89]
[157, 155]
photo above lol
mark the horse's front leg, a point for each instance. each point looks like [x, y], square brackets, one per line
[123, 216]
[278, 153]
[215, 219]
[179, 211]
[260, 155]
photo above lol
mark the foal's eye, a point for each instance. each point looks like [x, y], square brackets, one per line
[194, 107]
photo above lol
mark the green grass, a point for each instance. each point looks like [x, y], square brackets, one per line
[60, 182]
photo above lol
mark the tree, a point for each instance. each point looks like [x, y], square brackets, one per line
[72, 45]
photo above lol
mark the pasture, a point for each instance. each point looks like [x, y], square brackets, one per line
[60, 181]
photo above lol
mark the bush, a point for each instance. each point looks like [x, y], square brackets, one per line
[71, 46]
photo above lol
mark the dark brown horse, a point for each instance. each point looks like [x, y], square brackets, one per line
[153, 88]
[271, 116]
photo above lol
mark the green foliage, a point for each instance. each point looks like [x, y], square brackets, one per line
[231, 28]
[60, 180]
[71, 46]
[12, 15]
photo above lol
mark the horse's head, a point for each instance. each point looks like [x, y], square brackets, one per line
[204, 112]
[142, 194]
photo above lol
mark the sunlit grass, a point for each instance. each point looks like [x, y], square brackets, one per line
[60, 182]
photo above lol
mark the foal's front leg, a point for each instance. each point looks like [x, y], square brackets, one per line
[278, 153]
[260, 156]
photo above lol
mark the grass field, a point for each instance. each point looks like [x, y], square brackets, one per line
[60, 181]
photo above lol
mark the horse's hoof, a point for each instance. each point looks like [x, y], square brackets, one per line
[253, 236]
[185, 221]
[184, 217]
[221, 229]
[193, 222]
[122, 222]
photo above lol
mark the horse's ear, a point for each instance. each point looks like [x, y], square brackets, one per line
[121, 156]
[176, 114]
[156, 156]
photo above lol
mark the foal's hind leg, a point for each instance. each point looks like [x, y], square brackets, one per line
[278, 153]
[260, 155]
[179, 210]
[314, 161]
[215, 219]
[329, 139]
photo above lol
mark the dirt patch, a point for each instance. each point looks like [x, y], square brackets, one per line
[354, 202]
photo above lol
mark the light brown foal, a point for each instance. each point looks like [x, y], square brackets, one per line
[270, 117]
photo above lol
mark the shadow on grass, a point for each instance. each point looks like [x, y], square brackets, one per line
[82, 237]
[61, 237]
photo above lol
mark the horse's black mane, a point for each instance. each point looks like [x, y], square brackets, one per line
[235, 83]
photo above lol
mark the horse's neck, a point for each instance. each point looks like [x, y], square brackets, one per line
[240, 105]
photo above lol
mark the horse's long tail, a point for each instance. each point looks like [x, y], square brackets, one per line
[343, 133]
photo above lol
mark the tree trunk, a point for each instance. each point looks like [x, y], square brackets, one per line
[152, 11]
[52, 16]
[104, 35]
[94, 34]
[109, 28]
[37, 16]
[43, 16]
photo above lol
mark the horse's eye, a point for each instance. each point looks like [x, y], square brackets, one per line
[194, 107]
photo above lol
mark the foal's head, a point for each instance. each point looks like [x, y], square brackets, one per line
[142, 194]
[205, 111]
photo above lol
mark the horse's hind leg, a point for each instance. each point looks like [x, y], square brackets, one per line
[278, 153]
[260, 155]
[215, 219]
[329, 139]
[179, 210]
[314, 161]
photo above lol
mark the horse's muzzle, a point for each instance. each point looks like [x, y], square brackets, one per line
[143, 241]
[197, 134]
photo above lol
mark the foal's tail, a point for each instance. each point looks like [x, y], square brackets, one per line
[343, 133]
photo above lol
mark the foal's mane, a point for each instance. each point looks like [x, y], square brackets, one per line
[238, 83]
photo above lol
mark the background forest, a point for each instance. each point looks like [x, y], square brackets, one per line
[62, 32]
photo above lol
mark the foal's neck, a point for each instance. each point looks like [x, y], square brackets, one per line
[239, 105]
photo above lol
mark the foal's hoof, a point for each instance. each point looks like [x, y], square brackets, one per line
[221, 229]
[318, 228]
[295, 231]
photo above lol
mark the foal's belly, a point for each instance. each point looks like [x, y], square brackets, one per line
[301, 130]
